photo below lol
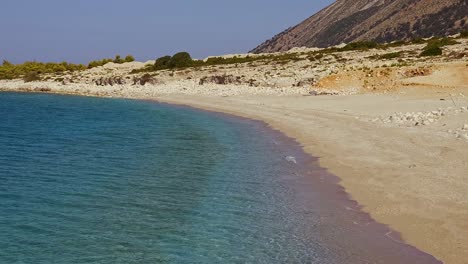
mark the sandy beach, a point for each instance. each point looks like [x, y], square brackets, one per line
[397, 137]
[411, 179]
[332, 131]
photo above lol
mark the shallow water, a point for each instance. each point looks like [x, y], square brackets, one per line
[90, 180]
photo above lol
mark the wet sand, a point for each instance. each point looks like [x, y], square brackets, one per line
[413, 180]
[342, 231]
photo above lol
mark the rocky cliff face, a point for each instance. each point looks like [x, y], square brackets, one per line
[379, 20]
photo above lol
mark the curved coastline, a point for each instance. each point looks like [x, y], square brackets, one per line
[328, 184]
[396, 160]
[368, 230]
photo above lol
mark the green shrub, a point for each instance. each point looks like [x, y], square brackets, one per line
[433, 47]
[162, 63]
[389, 56]
[431, 51]
[118, 59]
[180, 60]
[129, 58]
[28, 69]
[98, 63]
[31, 77]
[440, 42]
[360, 45]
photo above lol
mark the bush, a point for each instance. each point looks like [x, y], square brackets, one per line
[180, 60]
[118, 59]
[361, 45]
[98, 63]
[31, 77]
[440, 42]
[431, 51]
[29, 69]
[162, 63]
[129, 58]
[389, 56]
[433, 47]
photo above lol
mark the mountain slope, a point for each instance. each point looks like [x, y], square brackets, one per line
[380, 20]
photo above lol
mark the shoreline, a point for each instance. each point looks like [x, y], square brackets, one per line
[390, 123]
[363, 237]
[439, 242]
[412, 179]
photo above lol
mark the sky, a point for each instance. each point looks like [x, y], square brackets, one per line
[83, 30]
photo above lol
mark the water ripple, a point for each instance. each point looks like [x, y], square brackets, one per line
[88, 180]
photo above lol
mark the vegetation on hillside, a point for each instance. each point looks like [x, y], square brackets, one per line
[391, 55]
[183, 59]
[32, 70]
[433, 47]
[117, 59]
[361, 45]
[431, 51]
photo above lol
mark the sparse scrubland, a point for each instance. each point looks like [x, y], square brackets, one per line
[33, 71]
[117, 59]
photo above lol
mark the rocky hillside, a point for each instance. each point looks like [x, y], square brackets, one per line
[381, 20]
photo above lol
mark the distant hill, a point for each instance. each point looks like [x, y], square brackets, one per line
[381, 20]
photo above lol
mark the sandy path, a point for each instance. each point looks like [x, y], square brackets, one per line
[412, 179]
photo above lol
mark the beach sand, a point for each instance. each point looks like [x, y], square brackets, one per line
[414, 179]
[396, 136]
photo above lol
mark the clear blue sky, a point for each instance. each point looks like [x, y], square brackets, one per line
[82, 30]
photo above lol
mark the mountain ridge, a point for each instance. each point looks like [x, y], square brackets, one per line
[347, 21]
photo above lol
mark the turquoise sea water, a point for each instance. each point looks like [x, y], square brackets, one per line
[90, 180]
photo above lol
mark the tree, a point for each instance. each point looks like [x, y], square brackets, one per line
[180, 60]
[118, 59]
[162, 63]
[431, 51]
[31, 77]
[129, 58]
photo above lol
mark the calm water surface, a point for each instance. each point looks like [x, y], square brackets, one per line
[89, 180]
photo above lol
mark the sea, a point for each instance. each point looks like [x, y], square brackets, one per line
[99, 180]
